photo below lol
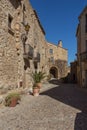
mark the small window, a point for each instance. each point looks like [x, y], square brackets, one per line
[10, 18]
[86, 23]
[15, 3]
[35, 65]
[24, 8]
[86, 28]
[86, 45]
[51, 51]
[10, 30]
[86, 18]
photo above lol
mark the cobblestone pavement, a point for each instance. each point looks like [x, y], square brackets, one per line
[58, 107]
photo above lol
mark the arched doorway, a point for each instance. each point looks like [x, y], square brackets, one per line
[54, 72]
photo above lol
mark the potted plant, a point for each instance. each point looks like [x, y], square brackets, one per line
[12, 99]
[35, 90]
[38, 77]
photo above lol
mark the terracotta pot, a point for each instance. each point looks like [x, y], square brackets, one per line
[39, 85]
[35, 91]
[13, 102]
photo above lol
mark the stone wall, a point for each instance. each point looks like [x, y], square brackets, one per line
[60, 59]
[16, 69]
[8, 55]
[81, 34]
[62, 68]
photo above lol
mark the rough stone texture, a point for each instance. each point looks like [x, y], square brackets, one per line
[62, 68]
[81, 34]
[8, 57]
[12, 64]
[15, 70]
[60, 59]
[58, 107]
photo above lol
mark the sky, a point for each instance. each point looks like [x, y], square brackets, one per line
[59, 18]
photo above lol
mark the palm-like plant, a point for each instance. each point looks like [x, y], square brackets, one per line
[38, 76]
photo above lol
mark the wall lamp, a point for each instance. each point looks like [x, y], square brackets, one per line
[24, 35]
[27, 27]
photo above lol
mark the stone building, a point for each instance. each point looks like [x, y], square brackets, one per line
[57, 60]
[81, 35]
[23, 48]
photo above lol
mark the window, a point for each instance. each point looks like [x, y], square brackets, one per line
[35, 65]
[15, 3]
[86, 18]
[51, 51]
[10, 18]
[86, 23]
[10, 30]
[86, 78]
[24, 8]
[86, 45]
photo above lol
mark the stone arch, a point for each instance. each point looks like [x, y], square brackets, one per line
[54, 71]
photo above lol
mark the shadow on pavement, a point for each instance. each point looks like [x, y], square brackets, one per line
[81, 121]
[74, 97]
[54, 81]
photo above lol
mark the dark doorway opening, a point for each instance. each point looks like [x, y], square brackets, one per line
[54, 72]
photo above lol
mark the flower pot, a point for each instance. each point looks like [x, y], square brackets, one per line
[36, 91]
[13, 102]
[39, 85]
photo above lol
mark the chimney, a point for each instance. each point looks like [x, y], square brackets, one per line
[60, 43]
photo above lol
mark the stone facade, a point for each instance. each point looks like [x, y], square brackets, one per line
[81, 34]
[23, 52]
[9, 59]
[57, 60]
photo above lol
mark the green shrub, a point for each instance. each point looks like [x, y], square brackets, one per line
[11, 96]
[38, 76]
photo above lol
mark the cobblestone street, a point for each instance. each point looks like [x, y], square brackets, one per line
[58, 107]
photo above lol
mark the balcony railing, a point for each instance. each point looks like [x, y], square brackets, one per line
[37, 57]
[83, 56]
[28, 51]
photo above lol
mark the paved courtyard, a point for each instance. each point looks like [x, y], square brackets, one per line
[58, 107]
